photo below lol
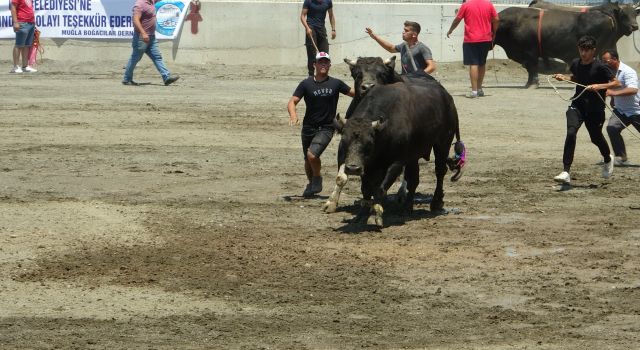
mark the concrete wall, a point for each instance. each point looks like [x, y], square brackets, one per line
[271, 33]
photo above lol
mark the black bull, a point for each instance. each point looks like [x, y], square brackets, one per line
[532, 35]
[369, 72]
[389, 131]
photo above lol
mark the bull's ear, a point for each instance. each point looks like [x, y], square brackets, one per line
[340, 122]
[351, 63]
[379, 124]
[391, 62]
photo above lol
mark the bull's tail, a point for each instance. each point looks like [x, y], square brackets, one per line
[457, 162]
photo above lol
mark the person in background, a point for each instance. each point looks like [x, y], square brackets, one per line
[480, 26]
[414, 55]
[625, 101]
[24, 25]
[320, 93]
[313, 17]
[587, 106]
[144, 41]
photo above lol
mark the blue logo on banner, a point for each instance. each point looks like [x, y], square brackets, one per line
[167, 16]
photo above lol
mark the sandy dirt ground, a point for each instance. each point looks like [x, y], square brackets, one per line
[158, 217]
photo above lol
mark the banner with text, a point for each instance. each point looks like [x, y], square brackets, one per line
[95, 19]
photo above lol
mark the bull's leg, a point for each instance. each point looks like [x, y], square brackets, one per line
[341, 180]
[402, 190]
[395, 172]
[441, 152]
[412, 176]
[371, 188]
[532, 72]
[366, 203]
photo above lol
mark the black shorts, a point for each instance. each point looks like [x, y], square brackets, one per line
[316, 139]
[475, 53]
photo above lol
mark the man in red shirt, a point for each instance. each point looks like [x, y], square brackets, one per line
[24, 25]
[480, 26]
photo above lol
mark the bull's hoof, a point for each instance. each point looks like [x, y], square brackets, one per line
[401, 196]
[532, 85]
[436, 206]
[329, 207]
[379, 210]
[379, 221]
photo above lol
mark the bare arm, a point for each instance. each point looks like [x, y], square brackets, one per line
[351, 93]
[454, 24]
[332, 20]
[291, 108]
[303, 19]
[612, 84]
[628, 91]
[138, 25]
[385, 44]
[431, 66]
[14, 17]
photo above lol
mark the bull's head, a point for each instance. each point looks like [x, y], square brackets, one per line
[626, 19]
[359, 137]
[368, 72]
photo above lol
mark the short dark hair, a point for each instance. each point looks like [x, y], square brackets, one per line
[587, 42]
[415, 27]
[613, 53]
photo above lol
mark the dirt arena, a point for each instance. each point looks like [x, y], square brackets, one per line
[158, 217]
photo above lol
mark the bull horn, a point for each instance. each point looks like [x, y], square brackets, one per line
[351, 63]
[390, 60]
[378, 124]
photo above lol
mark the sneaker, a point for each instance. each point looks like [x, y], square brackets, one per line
[16, 69]
[307, 191]
[607, 169]
[29, 69]
[171, 79]
[130, 82]
[618, 161]
[563, 178]
[471, 95]
[480, 93]
[316, 184]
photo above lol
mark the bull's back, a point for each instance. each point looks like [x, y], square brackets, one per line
[423, 115]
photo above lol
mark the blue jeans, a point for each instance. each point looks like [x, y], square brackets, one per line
[152, 50]
[24, 35]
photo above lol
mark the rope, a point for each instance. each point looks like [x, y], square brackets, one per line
[603, 100]
[314, 43]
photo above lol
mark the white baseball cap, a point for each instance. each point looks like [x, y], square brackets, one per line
[321, 54]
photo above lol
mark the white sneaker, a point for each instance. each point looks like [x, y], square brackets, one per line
[16, 69]
[29, 69]
[563, 178]
[607, 169]
[619, 162]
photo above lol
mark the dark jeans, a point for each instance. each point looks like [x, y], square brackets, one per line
[593, 120]
[320, 38]
[617, 123]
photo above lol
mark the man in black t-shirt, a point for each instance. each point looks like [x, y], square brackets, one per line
[320, 93]
[313, 16]
[587, 106]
